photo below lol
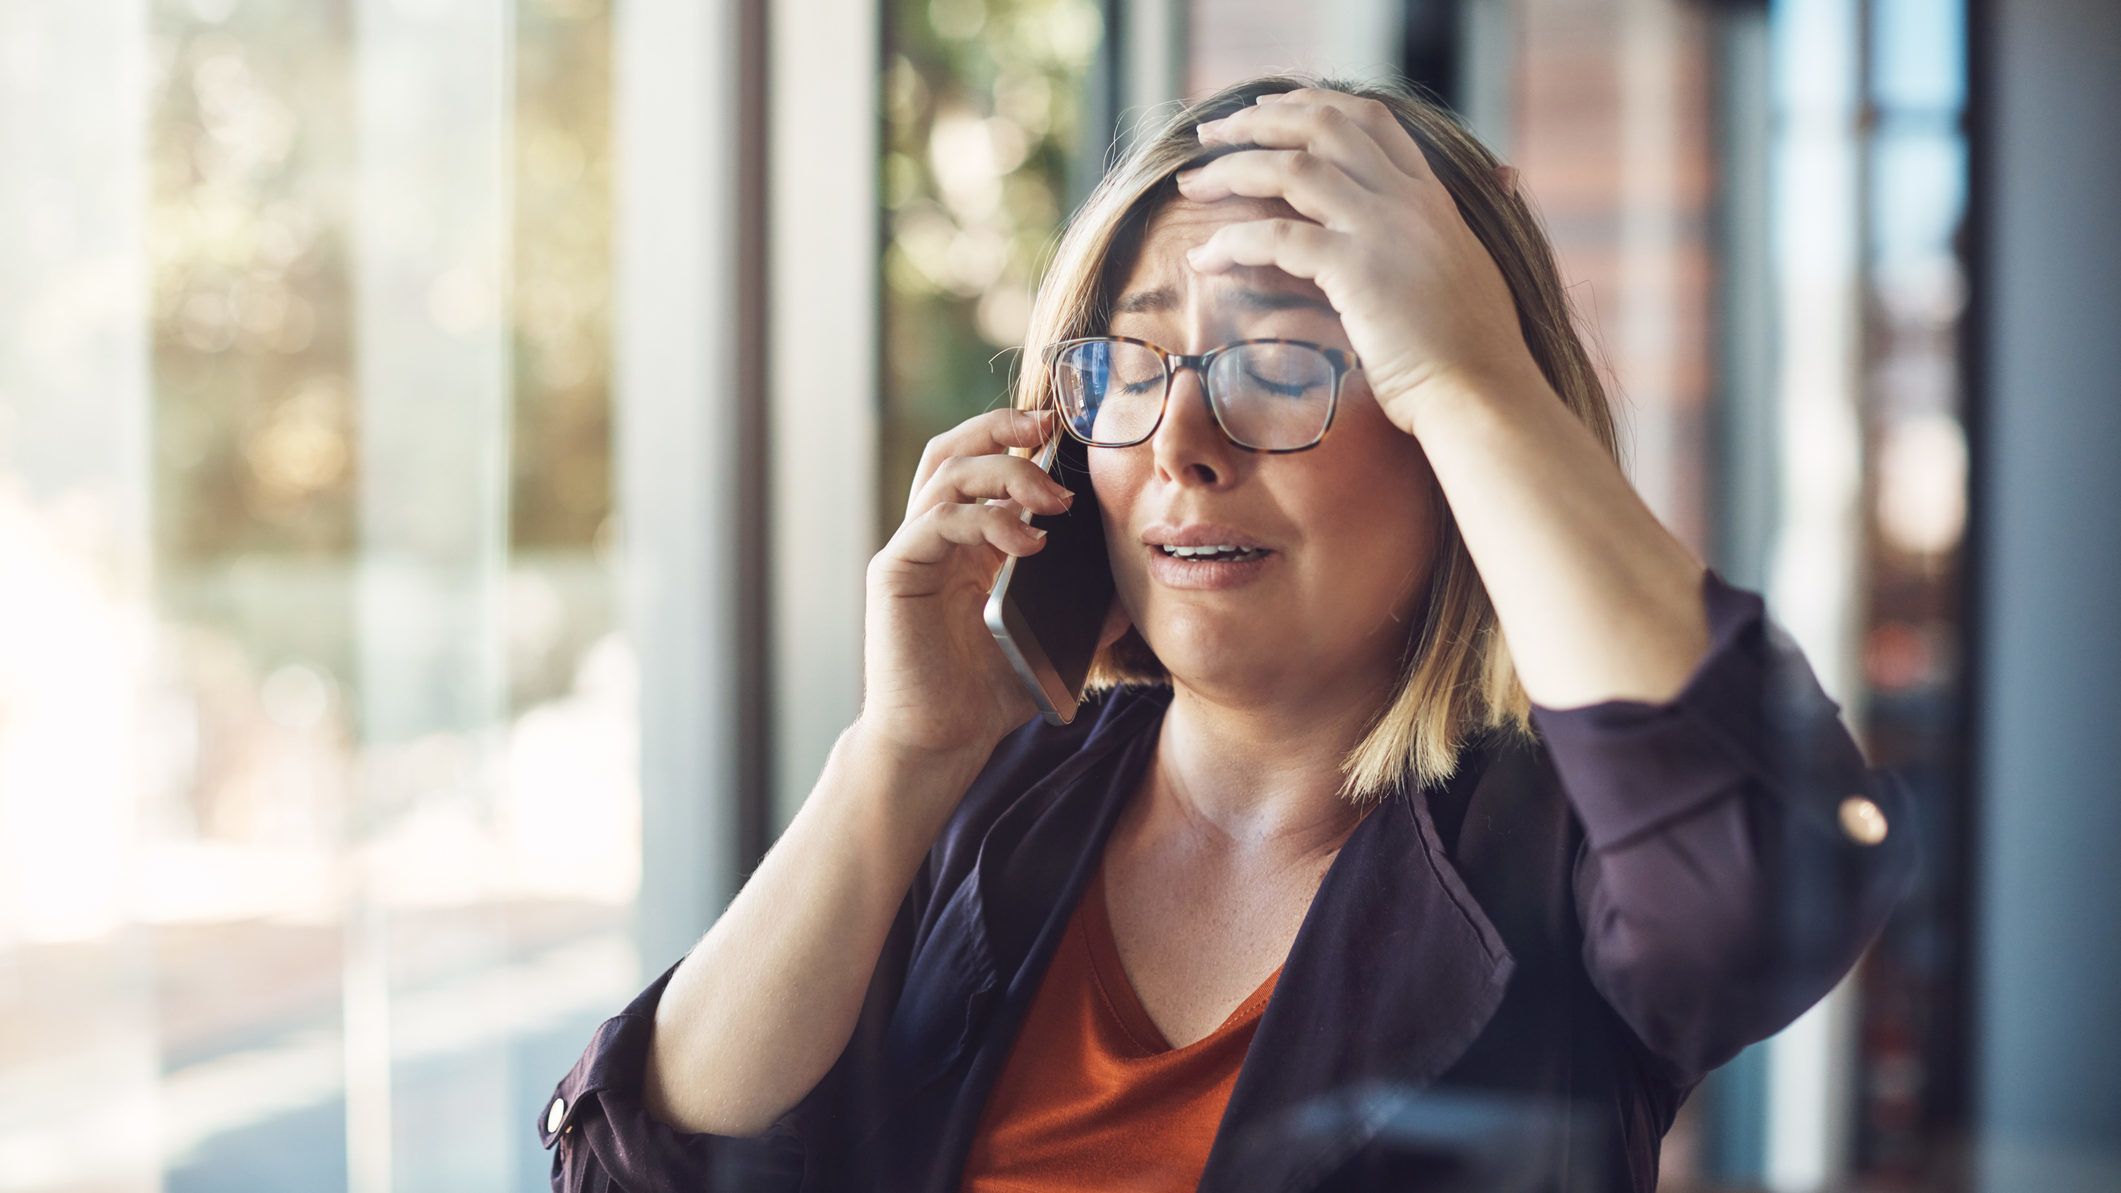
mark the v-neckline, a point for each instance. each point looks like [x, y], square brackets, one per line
[1109, 972]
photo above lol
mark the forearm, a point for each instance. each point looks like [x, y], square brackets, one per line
[1596, 598]
[1720, 929]
[763, 1006]
[1739, 852]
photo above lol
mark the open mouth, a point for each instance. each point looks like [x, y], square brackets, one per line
[1216, 554]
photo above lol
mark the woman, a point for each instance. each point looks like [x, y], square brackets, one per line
[1441, 820]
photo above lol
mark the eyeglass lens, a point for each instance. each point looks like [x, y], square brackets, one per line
[1268, 396]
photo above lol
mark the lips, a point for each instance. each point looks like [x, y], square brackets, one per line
[1195, 535]
[1209, 574]
[1220, 553]
[1206, 556]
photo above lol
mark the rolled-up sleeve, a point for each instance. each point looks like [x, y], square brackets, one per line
[1739, 852]
[603, 1138]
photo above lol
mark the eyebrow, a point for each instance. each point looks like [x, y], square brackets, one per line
[1164, 298]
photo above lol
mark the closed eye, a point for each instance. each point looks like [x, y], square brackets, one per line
[1280, 389]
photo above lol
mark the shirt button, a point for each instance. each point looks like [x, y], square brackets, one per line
[556, 1115]
[1862, 821]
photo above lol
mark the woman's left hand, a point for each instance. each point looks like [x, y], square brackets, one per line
[1424, 305]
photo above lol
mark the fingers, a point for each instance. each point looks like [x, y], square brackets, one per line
[970, 491]
[1371, 116]
[1315, 186]
[1327, 123]
[984, 434]
[1326, 132]
[930, 538]
[1296, 247]
[961, 479]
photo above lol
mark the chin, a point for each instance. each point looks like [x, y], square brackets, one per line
[1217, 658]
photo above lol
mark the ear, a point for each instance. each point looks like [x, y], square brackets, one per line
[1117, 622]
[1506, 177]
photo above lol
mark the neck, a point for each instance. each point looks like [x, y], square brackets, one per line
[1262, 777]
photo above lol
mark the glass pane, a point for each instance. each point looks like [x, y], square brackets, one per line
[319, 855]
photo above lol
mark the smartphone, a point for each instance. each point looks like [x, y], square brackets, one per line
[1045, 609]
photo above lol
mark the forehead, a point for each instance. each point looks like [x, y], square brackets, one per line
[1182, 223]
[1189, 219]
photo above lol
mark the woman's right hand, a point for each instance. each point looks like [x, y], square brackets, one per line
[934, 684]
[762, 1007]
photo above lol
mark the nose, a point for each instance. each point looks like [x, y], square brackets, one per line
[1188, 446]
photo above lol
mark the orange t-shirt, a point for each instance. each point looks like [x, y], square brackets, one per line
[1092, 1095]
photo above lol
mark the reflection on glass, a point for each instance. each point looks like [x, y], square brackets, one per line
[320, 810]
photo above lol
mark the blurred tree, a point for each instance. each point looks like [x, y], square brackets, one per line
[983, 101]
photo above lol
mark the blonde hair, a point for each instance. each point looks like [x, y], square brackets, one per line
[1456, 676]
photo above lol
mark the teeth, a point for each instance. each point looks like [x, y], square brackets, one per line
[1202, 552]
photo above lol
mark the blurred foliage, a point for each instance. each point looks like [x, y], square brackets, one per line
[561, 474]
[984, 103]
[251, 231]
[251, 146]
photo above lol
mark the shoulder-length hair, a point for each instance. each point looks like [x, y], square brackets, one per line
[1456, 677]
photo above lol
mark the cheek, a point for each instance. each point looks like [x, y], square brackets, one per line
[1380, 506]
[1369, 461]
[1115, 478]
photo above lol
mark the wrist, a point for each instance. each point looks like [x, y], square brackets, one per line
[908, 766]
[896, 756]
[1462, 393]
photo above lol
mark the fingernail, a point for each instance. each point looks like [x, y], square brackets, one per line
[1034, 532]
[1067, 496]
[1186, 176]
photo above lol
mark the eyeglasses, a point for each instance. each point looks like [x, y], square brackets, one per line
[1265, 395]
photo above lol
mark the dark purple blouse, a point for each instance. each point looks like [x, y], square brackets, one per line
[1509, 980]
